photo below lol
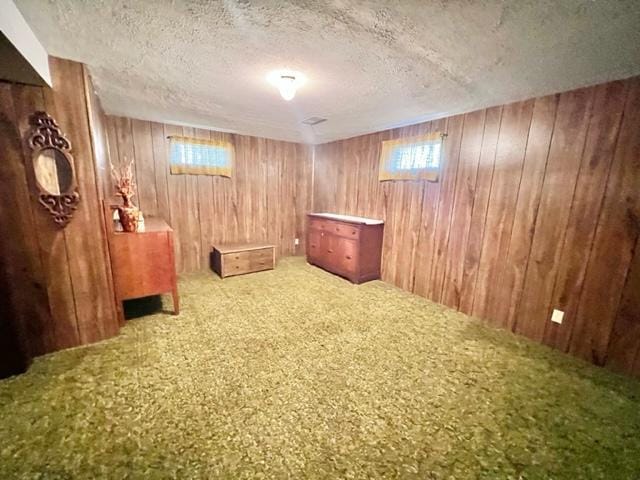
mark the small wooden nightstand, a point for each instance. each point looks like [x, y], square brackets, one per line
[143, 263]
[236, 259]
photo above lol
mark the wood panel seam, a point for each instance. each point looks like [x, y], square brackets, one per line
[600, 208]
[484, 226]
[513, 325]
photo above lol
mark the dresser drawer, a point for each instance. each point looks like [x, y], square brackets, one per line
[249, 255]
[236, 262]
[342, 229]
[314, 246]
[245, 265]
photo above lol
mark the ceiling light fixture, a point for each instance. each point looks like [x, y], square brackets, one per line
[311, 121]
[287, 82]
[287, 87]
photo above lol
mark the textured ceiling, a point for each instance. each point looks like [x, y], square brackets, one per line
[371, 65]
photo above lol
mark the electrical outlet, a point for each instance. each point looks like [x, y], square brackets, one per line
[557, 316]
[296, 241]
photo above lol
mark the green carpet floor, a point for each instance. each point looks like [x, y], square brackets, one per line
[295, 373]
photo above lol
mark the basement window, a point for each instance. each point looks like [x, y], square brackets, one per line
[200, 157]
[411, 158]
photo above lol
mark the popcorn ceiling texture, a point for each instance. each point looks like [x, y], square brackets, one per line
[371, 64]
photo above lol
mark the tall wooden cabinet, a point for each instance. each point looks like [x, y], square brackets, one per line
[143, 263]
[345, 245]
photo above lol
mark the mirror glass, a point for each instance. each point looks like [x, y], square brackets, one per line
[53, 171]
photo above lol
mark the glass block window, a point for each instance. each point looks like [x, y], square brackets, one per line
[200, 157]
[411, 158]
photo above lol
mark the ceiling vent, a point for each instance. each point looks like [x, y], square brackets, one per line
[314, 121]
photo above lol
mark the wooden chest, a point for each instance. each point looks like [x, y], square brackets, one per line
[347, 246]
[236, 259]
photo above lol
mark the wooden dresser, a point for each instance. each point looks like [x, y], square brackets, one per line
[143, 263]
[347, 246]
[236, 259]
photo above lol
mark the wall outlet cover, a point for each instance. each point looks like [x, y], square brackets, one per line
[557, 316]
[296, 241]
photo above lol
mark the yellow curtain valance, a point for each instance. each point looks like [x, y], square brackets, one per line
[199, 156]
[411, 158]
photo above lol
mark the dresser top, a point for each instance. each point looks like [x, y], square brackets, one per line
[348, 218]
[241, 247]
[151, 224]
[155, 224]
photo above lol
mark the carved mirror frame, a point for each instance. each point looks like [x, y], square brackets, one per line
[45, 135]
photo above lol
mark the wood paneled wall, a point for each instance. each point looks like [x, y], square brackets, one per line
[537, 207]
[60, 291]
[265, 200]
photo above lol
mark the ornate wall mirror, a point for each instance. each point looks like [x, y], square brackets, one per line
[53, 168]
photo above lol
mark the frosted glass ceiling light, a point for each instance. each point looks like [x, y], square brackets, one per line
[287, 82]
[287, 87]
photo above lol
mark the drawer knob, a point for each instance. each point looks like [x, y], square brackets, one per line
[237, 257]
[353, 233]
[348, 257]
[237, 266]
[330, 251]
[337, 229]
[261, 263]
